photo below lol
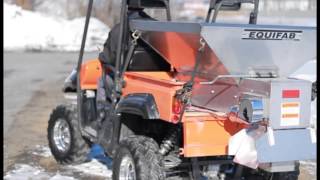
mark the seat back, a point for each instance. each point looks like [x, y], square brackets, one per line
[145, 58]
[148, 3]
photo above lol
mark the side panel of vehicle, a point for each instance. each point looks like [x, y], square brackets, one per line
[90, 73]
[155, 83]
[207, 135]
[203, 133]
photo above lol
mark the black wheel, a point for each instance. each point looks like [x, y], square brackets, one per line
[65, 140]
[137, 159]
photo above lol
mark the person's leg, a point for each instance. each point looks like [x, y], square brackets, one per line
[104, 97]
[70, 83]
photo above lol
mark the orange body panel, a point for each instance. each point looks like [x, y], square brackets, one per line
[158, 84]
[204, 134]
[90, 73]
[207, 135]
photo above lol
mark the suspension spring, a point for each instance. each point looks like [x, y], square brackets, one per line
[169, 142]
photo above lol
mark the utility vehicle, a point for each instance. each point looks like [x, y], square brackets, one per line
[208, 99]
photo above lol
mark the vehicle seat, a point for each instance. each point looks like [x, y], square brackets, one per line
[144, 57]
[147, 59]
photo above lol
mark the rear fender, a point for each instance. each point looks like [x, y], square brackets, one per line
[89, 74]
[141, 104]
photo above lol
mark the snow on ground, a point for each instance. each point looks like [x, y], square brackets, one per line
[35, 172]
[93, 167]
[24, 171]
[26, 30]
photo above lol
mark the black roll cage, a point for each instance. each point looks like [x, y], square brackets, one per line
[217, 5]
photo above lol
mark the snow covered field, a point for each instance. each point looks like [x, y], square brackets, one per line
[26, 30]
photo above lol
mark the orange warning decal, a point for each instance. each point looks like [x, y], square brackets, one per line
[290, 105]
[290, 114]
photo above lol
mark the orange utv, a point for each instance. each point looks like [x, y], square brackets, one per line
[198, 101]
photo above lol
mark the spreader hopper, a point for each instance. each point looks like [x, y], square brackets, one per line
[232, 52]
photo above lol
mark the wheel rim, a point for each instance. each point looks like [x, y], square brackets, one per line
[62, 135]
[127, 169]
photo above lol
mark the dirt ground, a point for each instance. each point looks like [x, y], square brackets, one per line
[26, 123]
[38, 85]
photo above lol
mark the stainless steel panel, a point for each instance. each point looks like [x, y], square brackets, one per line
[238, 54]
[230, 46]
[276, 102]
[225, 93]
[289, 145]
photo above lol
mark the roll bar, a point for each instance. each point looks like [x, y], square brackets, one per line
[217, 5]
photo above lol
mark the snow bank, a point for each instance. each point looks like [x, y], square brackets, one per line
[26, 30]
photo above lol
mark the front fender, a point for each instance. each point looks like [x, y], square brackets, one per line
[90, 73]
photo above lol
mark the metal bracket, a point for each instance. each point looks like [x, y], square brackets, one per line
[202, 45]
[184, 94]
[135, 35]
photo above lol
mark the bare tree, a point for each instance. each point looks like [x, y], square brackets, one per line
[25, 4]
[108, 11]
